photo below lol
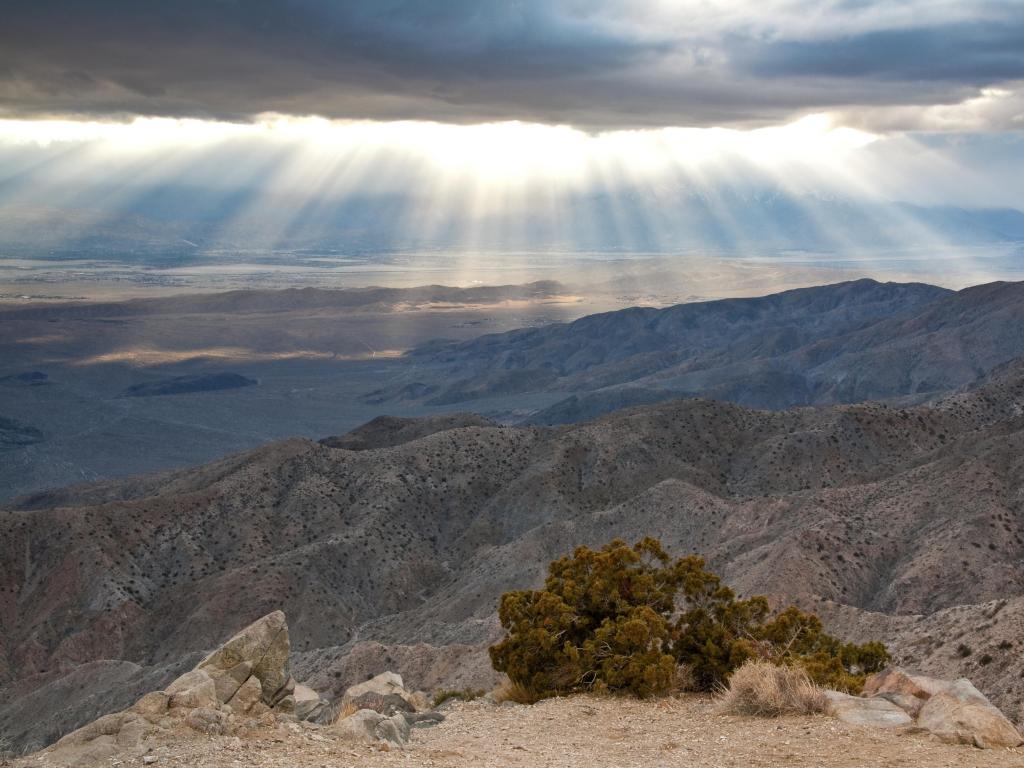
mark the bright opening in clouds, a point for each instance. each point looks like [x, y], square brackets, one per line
[508, 152]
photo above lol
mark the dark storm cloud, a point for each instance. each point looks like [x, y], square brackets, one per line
[599, 64]
[967, 53]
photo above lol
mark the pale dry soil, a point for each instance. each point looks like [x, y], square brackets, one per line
[592, 732]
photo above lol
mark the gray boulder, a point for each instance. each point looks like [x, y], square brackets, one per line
[368, 727]
[387, 704]
[260, 650]
[247, 699]
[383, 684]
[896, 680]
[193, 689]
[875, 712]
[305, 700]
[909, 704]
[423, 719]
[961, 714]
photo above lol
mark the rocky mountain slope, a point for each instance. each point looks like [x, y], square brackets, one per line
[902, 521]
[389, 431]
[840, 343]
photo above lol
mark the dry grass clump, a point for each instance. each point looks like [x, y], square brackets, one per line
[517, 692]
[768, 690]
[347, 710]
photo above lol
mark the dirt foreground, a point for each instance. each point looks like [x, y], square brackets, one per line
[584, 731]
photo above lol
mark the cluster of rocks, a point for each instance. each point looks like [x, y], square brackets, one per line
[246, 684]
[380, 711]
[954, 711]
[243, 684]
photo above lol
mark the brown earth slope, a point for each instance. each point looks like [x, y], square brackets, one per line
[906, 522]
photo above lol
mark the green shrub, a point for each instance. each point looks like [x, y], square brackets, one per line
[600, 623]
[623, 619]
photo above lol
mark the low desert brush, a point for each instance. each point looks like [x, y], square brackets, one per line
[684, 680]
[769, 690]
[515, 692]
[633, 620]
[347, 710]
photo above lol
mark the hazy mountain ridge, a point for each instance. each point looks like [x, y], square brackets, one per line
[390, 431]
[844, 343]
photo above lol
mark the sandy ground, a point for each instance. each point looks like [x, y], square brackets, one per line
[591, 732]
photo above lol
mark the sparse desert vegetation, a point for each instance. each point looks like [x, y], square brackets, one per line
[624, 619]
[763, 689]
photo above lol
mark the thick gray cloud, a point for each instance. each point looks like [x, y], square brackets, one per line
[610, 63]
[971, 53]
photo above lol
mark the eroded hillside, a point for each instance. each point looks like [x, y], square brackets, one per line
[871, 508]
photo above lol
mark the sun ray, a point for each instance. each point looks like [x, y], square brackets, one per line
[284, 183]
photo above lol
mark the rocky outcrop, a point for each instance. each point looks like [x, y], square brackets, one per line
[308, 703]
[961, 714]
[383, 684]
[369, 727]
[259, 651]
[243, 683]
[380, 711]
[955, 711]
[896, 680]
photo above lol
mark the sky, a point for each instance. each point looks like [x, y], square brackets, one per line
[892, 65]
[485, 108]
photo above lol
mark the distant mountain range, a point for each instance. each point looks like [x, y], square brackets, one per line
[841, 343]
